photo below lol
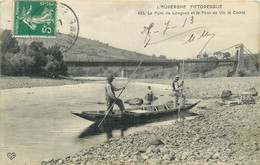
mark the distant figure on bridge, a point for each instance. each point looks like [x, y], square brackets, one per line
[110, 95]
[177, 90]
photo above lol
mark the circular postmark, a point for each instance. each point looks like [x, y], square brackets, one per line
[66, 28]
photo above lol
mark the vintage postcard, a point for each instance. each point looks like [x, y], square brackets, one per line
[129, 82]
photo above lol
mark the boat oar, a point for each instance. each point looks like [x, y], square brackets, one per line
[179, 110]
[119, 94]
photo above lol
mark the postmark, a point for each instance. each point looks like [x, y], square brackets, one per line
[34, 18]
[67, 27]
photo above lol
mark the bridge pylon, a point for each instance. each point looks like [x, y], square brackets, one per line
[239, 58]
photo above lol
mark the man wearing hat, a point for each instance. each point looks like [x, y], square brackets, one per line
[177, 88]
[110, 95]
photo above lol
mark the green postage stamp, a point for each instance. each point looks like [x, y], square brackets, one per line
[34, 18]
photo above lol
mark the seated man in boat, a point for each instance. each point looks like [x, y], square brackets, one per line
[150, 95]
[177, 91]
[110, 95]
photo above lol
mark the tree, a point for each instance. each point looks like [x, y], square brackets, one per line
[31, 60]
[6, 67]
[162, 57]
[9, 44]
[39, 52]
[55, 65]
[22, 65]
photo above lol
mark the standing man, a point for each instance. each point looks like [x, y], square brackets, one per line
[177, 89]
[110, 95]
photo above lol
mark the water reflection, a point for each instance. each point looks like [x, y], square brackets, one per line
[94, 130]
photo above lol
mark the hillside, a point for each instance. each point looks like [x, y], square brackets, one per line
[90, 50]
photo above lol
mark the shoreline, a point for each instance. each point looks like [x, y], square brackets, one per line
[30, 82]
[220, 134]
[11, 82]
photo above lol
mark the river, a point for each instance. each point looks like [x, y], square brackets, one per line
[37, 124]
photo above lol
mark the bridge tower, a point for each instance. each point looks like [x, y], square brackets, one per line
[240, 58]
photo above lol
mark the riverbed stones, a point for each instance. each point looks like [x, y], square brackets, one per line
[226, 94]
[155, 141]
[251, 91]
[220, 134]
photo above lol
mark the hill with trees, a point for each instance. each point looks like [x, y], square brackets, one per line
[86, 49]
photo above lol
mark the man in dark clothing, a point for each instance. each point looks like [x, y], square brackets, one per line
[110, 95]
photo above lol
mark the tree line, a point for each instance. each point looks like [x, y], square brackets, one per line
[30, 60]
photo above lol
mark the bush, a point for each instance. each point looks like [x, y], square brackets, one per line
[22, 65]
[9, 44]
[203, 67]
[6, 67]
[31, 60]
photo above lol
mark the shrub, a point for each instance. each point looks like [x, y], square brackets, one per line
[30, 60]
[6, 67]
[22, 65]
[9, 44]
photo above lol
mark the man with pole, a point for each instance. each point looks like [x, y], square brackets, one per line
[110, 95]
[178, 90]
[122, 89]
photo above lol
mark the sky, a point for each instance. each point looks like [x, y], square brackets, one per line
[120, 24]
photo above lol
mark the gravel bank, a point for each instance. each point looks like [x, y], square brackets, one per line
[27, 82]
[211, 87]
[218, 135]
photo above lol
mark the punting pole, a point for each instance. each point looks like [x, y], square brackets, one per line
[120, 94]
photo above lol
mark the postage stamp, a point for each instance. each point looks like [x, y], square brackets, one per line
[129, 82]
[34, 18]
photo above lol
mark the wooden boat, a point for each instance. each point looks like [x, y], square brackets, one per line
[135, 115]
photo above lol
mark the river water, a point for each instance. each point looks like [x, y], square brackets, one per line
[37, 124]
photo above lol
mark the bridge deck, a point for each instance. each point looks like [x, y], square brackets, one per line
[135, 63]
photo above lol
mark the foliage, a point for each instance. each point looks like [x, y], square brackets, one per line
[6, 67]
[203, 67]
[30, 60]
[8, 43]
[22, 65]
[39, 52]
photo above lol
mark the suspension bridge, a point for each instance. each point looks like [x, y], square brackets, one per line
[237, 62]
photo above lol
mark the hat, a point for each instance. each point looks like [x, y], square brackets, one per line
[177, 76]
[111, 77]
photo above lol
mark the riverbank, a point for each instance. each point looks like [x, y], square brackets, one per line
[27, 82]
[220, 134]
